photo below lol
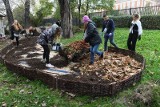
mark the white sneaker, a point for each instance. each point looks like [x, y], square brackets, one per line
[43, 60]
[49, 65]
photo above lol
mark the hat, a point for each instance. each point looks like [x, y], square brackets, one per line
[85, 19]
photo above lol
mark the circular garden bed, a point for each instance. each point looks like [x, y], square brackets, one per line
[118, 69]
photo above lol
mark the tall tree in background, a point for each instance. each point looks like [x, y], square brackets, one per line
[18, 14]
[79, 11]
[44, 10]
[27, 13]
[104, 5]
[66, 18]
[87, 7]
[56, 14]
[8, 11]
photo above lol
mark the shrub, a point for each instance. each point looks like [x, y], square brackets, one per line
[98, 21]
[76, 29]
[122, 21]
[148, 22]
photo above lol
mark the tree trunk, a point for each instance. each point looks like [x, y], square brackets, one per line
[66, 18]
[26, 13]
[87, 7]
[79, 10]
[9, 12]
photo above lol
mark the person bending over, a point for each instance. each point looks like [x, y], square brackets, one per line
[47, 37]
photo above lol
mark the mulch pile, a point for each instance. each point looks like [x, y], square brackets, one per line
[114, 67]
[75, 51]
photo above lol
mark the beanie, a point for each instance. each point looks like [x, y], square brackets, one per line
[85, 19]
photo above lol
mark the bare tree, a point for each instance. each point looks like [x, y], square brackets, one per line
[26, 13]
[79, 11]
[8, 11]
[87, 7]
[66, 18]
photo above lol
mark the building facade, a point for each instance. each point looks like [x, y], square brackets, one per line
[126, 4]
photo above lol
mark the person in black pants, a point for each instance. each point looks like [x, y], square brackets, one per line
[46, 53]
[47, 37]
[108, 29]
[16, 28]
[135, 32]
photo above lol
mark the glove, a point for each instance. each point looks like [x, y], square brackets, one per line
[139, 37]
[105, 30]
[110, 34]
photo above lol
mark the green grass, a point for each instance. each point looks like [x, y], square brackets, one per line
[18, 91]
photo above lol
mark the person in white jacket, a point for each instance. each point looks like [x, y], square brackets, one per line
[135, 32]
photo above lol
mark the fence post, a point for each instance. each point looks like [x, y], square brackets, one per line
[149, 10]
[130, 11]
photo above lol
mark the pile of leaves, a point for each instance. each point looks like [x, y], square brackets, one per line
[113, 67]
[75, 51]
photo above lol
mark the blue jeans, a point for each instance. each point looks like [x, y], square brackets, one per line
[94, 50]
[111, 38]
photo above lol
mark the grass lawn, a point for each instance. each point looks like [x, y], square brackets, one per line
[17, 91]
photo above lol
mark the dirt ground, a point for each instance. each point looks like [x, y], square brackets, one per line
[114, 67]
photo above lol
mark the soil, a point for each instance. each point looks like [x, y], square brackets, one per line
[31, 53]
[114, 67]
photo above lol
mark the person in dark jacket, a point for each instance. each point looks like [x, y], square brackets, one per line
[16, 29]
[134, 33]
[92, 37]
[108, 29]
[47, 37]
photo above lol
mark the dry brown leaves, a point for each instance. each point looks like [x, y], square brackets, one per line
[78, 45]
[75, 50]
[114, 67]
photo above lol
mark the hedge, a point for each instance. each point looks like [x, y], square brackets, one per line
[148, 22]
